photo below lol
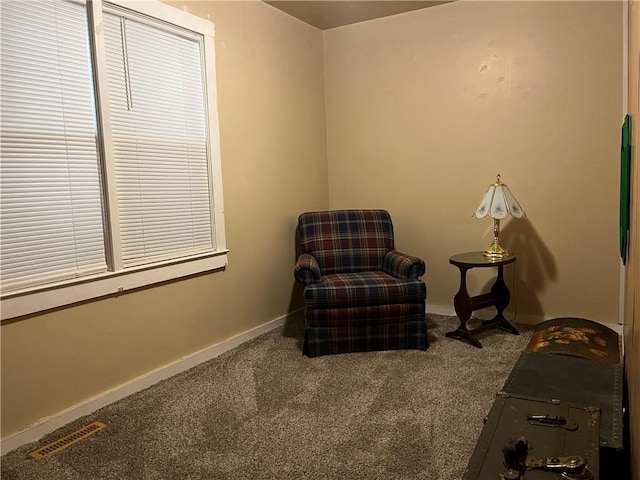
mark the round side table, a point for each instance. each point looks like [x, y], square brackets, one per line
[465, 304]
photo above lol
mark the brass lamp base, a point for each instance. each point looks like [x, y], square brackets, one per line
[495, 251]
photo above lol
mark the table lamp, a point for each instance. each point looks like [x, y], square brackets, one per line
[498, 202]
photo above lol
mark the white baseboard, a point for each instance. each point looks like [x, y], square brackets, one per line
[49, 424]
[440, 310]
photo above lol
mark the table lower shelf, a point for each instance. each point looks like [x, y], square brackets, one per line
[486, 300]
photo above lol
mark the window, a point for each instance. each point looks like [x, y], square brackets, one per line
[110, 174]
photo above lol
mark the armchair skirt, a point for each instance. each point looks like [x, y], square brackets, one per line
[364, 329]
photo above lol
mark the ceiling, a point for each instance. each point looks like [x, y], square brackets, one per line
[325, 14]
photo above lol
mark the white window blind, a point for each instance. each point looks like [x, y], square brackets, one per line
[110, 169]
[159, 131]
[50, 190]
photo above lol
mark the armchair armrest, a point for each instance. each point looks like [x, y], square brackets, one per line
[307, 270]
[401, 265]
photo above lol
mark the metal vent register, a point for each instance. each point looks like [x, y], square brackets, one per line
[68, 440]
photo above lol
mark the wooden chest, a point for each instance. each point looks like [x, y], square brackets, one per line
[550, 376]
[557, 433]
[578, 360]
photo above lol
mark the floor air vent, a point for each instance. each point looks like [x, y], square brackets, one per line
[68, 440]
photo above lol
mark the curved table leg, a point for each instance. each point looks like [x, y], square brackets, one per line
[464, 309]
[500, 290]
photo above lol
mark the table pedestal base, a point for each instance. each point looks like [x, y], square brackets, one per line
[466, 335]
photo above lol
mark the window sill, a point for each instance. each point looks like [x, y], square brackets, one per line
[38, 299]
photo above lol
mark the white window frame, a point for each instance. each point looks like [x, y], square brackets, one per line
[39, 298]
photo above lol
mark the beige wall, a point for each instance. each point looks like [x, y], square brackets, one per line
[632, 294]
[416, 125]
[423, 109]
[272, 126]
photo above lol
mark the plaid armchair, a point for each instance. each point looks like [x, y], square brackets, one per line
[360, 294]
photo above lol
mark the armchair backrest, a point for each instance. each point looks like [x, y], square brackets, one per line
[346, 241]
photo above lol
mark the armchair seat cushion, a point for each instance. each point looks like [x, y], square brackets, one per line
[363, 289]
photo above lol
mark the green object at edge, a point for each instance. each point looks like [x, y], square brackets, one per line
[625, 175]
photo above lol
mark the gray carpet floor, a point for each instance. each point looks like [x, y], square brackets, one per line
[264, 411]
